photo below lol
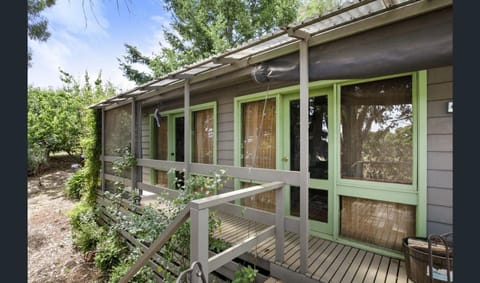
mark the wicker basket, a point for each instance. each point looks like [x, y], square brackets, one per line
[417, 263]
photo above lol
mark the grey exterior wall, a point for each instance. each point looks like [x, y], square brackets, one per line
[439, 138]
[439, 152]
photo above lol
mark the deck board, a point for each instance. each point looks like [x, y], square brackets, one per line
[317, 274]
[328, 261]
[335, 265]
[372, 269]
[354, 266]
[392, 271]
[382, 270]
[345, 266]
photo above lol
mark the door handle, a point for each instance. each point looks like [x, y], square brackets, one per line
[285, 158]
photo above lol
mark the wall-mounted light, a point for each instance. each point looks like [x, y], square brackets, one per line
[450, 107]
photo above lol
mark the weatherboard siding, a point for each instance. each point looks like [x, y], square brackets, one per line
[439, 138]
[440, 151]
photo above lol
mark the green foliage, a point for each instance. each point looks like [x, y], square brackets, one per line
[109, 251]
[245, 275]
[54, 122]
[93, 150]
[310, 8]
[126, 160]
[215, 26]
[75, 185]
[37, 26]
[144, 275]
[36, 158]
[86, 233]
[147, 223]
[57, 118]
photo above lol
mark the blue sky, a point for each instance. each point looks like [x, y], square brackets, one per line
[93, 41]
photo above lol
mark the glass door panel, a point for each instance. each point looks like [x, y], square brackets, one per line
[179, 150]
[320, 212]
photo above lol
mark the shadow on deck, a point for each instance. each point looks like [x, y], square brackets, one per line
[328, 261]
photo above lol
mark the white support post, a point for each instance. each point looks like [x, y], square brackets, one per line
[304, 170]
[138, 154]
[279, 225]
[199, 240]
[187, 128]
[103, 150]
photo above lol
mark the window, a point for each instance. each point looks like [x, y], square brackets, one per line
[203, 136]
[168, 141]
[258, 147]
[376, 131]
[160, 149]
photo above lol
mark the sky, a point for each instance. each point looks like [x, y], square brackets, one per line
[92, 41]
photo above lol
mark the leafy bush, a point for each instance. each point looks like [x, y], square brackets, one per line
[76, 185]
[86, 233]
[144, 275]
[37, 157]
[109, 251]
[93, 150]
[245, 275]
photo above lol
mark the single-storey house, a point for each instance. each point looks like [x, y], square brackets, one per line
[341, 124]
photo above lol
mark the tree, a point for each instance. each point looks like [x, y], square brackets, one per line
[201, 28]
[37, 27]
[57, 118]
[310, 8]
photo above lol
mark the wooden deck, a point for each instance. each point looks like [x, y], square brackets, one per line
[328, 261]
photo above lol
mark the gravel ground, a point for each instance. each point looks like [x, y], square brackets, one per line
[51, 255]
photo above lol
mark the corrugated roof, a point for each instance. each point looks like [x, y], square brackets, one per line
[348, 12]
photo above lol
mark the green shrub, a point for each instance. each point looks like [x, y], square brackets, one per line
[76, 185]
[37, 157]
[82, 212]
[110, 251]
[86, 233]
[87, 237]
[245, 275]
[144, 275]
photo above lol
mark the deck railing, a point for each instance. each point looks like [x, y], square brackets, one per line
[197, 210]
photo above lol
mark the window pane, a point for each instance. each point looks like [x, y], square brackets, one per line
[377, 222]
[264, 201]
[162, 178]
[179, 139]
[258, 134]
[203, 136]
[117, 129]
[162, 139]
[318, 136]
[258, 146]
[317, 206]
[376, 131]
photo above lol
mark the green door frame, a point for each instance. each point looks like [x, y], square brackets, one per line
[415, 194]
[316, 227]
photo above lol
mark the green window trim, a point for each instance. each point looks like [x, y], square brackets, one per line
[414, 194]
[171, 115]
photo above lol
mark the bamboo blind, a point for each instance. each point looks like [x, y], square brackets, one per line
[381, 223]
[259, 145]
[162, 149]
[203, 136]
